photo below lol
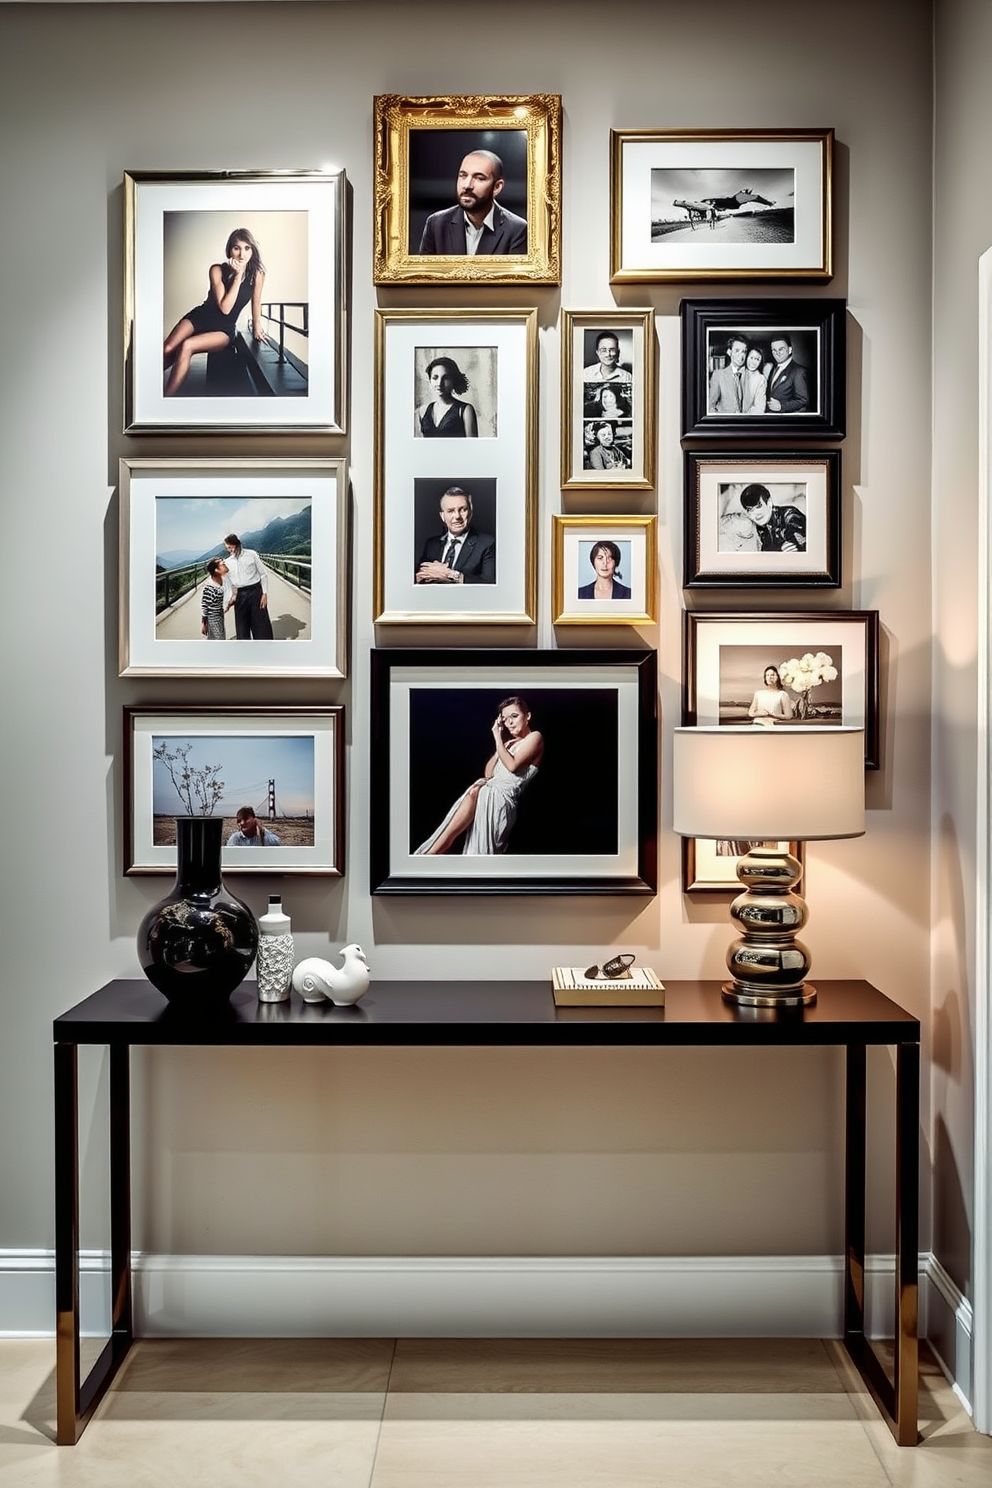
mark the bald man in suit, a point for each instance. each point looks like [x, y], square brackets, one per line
[478, 225]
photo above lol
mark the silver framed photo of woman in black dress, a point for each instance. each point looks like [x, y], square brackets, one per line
[234, 302]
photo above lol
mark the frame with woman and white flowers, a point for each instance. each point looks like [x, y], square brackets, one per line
[825, 670]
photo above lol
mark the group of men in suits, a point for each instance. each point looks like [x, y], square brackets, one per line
[786, 381]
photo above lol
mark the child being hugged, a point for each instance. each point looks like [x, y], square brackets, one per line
[214, 601]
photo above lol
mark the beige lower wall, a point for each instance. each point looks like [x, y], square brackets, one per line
[432, 1151]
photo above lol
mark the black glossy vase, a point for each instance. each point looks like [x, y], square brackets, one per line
[197, 943]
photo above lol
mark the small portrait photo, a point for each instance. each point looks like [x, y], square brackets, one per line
[232, 568]
[235, 304]
[466, 799]
[789, 686]
[263, 787]
[455, 525]
[607, 443]
[608, 357]
[455, 391]
[468, 191]
[742, 204]
[763, 370]
[606, 400]
[604, 570]
[761, 518]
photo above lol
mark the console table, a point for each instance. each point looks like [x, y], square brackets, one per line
[852, 1014]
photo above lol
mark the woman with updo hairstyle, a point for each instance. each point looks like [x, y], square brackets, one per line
[445, 416]
[485, 812]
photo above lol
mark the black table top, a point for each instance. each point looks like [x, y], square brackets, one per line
[480, 1013]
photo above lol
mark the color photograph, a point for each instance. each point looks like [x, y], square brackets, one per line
[262, 787]
[468, 191]
[604, 570]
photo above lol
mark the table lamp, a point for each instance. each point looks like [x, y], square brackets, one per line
[763, 785]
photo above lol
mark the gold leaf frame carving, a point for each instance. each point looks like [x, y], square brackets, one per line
[539, 115]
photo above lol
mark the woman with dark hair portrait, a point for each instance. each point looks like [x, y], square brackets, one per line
[445, 415]
[606, 402]
[771, 703]
[604, 455]
[605, 560]
[487, 810]
[754, 383]
[212, 325]
[250, 580]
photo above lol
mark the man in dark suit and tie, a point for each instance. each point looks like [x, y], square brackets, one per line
[788, 383]
[460, 555]
[477, 225]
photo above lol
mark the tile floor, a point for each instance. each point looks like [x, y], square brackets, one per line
[480, 1413]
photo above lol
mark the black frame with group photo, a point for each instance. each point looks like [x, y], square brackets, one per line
[798, 347]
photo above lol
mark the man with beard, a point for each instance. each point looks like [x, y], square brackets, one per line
[478, 224]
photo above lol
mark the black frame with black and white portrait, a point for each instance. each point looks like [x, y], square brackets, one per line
[455, 459]
[421, 145]
[768, 520]
[768, 367]
[582, 819]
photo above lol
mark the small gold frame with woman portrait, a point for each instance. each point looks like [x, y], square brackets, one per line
[604, 570]
[607, 399]
[498, 217]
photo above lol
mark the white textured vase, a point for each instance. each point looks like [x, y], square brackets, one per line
[275, 953]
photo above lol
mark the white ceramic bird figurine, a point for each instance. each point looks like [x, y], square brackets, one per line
[316, 979]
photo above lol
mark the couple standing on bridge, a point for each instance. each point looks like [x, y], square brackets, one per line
[241, 581]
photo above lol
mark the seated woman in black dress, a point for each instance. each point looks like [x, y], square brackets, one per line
[212, 325]
[445, 416]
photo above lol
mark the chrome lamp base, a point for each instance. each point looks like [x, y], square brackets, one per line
[768, 964]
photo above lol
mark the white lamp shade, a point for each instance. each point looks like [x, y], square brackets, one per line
[789, 784]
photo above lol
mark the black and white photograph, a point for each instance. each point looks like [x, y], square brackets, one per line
[757, 367]
[235, 301]
[455, 517]
[455, 530]
[233, 568]
[484, 762]
[769, 519]
[720, 204]
[607, 398]
[273, 773]
[467, 189]
[803, 670]
[603, 570]
[456, 392]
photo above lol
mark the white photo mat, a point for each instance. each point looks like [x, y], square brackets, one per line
[147, 483]
[781, 639]
[322, 725]
[508, 459]
[807, 480]
[573, 539]
[640, 258]
[321, 198]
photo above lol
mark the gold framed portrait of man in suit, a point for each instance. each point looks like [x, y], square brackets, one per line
[467, 189]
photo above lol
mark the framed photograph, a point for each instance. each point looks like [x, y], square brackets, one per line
[604, 570]
[754, 368]
[720, 204]
[607, 399]
[483, 763]
[770, 520]
[234, 302]
[249, 552]
[456, 461]
[806, 668]
[710, 867]
[274, 773]
[468, 189]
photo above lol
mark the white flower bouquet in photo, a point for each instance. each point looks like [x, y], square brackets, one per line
[802, 673]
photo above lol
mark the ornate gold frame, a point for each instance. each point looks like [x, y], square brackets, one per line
[562, 614]
[537, 113]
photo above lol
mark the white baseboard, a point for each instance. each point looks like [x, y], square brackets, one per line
[486, 1297]
[950, 1329]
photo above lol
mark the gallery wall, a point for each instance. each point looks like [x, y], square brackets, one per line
[439, 1151]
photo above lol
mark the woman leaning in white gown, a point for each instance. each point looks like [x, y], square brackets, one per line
[487, 810]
